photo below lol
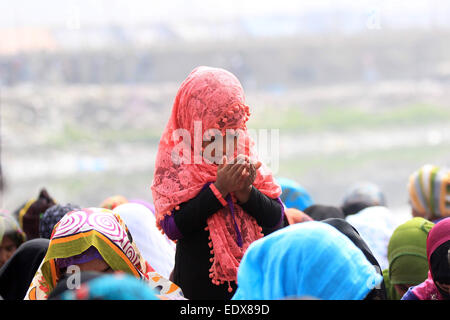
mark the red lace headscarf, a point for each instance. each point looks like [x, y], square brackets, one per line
[214, 97]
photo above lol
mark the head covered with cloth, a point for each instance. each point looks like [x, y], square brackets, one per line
[11, 237]
[437, 285]
[84, 237]
[29, 215]
[310, 259]
[294, 195]
[407, 256]
[429, 192]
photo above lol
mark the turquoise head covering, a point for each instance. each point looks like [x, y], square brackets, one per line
[294, 195]
[118, 286]
[310, 259]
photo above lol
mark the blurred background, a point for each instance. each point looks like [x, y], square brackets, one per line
[359, 90]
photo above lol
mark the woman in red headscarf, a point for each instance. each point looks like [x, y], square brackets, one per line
[437, 285]
[213, 205]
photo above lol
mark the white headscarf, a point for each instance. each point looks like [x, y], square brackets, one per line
[376, 225]
[154, 246]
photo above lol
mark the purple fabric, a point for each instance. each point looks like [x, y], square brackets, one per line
[236, 228]
[409, 295]
[170, 228]
[88, 255]
[282, 211]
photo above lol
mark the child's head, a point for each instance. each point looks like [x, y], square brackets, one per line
[210, 106]
[213, 149]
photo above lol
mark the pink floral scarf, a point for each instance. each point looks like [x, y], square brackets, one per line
[215, 98]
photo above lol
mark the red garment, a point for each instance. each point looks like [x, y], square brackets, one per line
[213, 98]
[427, 290]
[439, 234]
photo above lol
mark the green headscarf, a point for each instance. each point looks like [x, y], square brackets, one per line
[391, 293]
[407, 252]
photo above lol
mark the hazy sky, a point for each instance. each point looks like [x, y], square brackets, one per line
[19, 13]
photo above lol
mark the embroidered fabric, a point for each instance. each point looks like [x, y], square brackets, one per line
[213, 98]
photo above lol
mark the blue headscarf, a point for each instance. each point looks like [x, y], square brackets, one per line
[294, 195]
[310, 259]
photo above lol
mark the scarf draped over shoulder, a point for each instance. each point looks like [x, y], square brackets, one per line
[209, 99]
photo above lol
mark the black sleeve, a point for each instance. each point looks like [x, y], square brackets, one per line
[192, 215]
[267, 212]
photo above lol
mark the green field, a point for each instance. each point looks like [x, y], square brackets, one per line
[289, 120]
[347, 118]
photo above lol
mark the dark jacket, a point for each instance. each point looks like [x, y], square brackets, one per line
[191, 270]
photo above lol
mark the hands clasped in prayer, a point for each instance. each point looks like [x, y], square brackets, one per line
[236, 176]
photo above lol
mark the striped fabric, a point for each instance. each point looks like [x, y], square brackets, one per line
[105, 230]
[429, 191]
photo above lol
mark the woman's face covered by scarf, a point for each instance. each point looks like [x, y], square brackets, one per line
[438, 252]
[440, 269]
[407, 254]
[92, 239]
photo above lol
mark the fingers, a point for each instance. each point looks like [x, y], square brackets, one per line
[243, 178]
[236, 170]
[223, 163]
[241, 159]
[239, 173]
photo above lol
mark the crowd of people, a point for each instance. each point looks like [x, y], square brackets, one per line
[221, 226]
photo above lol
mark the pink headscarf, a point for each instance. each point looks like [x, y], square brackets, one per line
[438, 235]
[215, 98]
